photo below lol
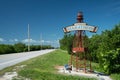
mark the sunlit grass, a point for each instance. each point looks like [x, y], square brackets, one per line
[115, 76]
[43, 67]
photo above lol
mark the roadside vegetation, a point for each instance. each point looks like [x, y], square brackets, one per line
[20, 47]
[104, 49]
[43, 67]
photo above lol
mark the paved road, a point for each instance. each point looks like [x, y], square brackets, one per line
[12, 59]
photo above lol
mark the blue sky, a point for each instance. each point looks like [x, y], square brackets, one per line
[48, 17]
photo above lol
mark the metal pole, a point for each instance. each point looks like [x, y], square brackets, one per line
[40, 41]
[77, 62]
[90, 63]
[84, 63]
[71, 59]
[28, 38]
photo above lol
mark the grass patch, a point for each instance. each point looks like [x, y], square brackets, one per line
[43, 67]
[115, 76]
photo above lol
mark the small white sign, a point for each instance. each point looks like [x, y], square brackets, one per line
[82, 24]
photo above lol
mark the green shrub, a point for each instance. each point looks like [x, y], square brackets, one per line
[5, 49]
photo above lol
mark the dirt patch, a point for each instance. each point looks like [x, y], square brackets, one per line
[59, 67]
[96, 75]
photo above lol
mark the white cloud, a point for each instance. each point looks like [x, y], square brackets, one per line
[42, 41]
[2, 40]
[13, 40]
[48, 41]
[31, 41]
[56, 41]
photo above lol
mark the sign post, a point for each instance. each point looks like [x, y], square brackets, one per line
[79, 48]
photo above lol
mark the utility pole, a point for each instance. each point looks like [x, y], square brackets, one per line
[40, 41]
[28, 38]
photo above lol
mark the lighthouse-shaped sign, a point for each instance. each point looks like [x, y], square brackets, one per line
[78, 47]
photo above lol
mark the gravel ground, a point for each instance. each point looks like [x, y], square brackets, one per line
[81, 73]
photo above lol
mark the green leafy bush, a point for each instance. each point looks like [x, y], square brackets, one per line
[110, 61]
[5, 49]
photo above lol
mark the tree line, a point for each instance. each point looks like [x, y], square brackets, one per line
[104, 48]
[21, 47]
